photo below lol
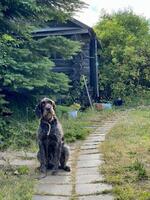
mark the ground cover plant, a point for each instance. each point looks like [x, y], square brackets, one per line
[16, 184]
[126, 153]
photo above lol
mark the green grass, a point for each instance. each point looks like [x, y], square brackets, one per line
[80, 128]
[15, 187]
[143, 98]
[127, 156]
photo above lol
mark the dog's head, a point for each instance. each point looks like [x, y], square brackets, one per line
[45, 109]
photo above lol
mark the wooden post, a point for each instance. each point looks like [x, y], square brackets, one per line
[87, 91]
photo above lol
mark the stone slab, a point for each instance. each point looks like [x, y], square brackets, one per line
[100, 130]
[17, 162]
[54, 189]
[89, 163]
[86, 147]
[95, 141]
[95, 156]
[95, 134]
[91, 188]
[89, 143]
[89, 178]
[39, 197]
[60, 173]
[56, 180]
[89, 151]
[96, 197]
[87, 170]
[98, 138]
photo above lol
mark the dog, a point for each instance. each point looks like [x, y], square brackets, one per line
[53, 152]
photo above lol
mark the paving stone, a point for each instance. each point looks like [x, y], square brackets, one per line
[95, 156]
[18, 162]
[86, 147]
[89, 178]
[96, 135]
[90, 143]
[95, 141]
[96, 197]
[39, 197]
[89, 163]
[56, 179]
[60, 173]
[98, 138]
[100, 130]
[87, 170]
[91, 188]
[53, 189]
[89, 151]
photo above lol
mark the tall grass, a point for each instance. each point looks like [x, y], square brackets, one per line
[126, 153]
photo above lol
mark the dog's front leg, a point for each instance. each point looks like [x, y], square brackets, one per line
[42, 157]
[57, 155]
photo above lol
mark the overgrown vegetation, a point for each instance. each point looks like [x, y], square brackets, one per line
[25, 65]
[126, 153]
[15, 187]
[23, 131]
[124, 65]
[78, 129]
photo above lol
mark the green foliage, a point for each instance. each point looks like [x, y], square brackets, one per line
[75, 106]
[140, 169]
[13, 187]
[124, 66]
[4, 123]
[22, 170]
[75, 129]
[25, 67]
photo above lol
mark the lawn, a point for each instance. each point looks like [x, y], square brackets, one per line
[15, 186]
[127, 156]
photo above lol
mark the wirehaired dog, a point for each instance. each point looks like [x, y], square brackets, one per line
[53, 153]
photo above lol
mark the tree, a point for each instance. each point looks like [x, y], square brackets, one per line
[25, 67]
[124, 65]
[24, 62]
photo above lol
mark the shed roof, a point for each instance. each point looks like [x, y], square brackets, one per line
[70, 27]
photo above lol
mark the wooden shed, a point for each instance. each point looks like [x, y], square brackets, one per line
[86, 62]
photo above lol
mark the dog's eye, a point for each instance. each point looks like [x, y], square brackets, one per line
[43, 104]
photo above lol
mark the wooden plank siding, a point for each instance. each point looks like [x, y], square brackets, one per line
[86, 61]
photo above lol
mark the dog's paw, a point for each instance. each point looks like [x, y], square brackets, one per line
[67, 168]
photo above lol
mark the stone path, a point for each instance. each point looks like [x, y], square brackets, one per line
[84, 182]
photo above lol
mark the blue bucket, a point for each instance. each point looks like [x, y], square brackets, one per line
[107, 105]
[73, 113]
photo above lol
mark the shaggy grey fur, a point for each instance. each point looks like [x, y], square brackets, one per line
[53, 153]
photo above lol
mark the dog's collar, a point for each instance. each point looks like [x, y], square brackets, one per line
[48, 121]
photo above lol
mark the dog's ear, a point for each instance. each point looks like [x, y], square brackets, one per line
[38, 110]
[53, 104]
